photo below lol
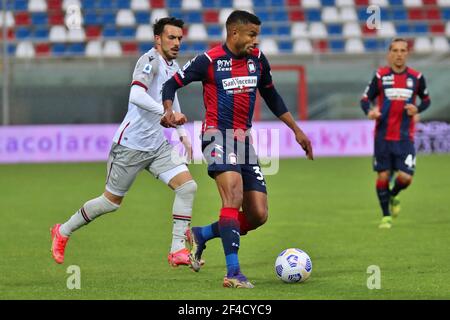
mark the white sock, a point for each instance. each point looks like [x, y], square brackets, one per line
[178, 233]
[88, 212]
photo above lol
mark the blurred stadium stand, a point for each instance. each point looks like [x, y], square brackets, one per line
[52, 65]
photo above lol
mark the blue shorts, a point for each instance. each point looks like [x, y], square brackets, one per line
[234, 155]
[394, 156]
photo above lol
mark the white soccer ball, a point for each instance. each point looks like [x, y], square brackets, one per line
[293, 265]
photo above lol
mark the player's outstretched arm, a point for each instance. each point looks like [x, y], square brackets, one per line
[300, 136]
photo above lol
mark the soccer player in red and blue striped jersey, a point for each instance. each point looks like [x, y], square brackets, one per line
[231, 74]
[397, 87]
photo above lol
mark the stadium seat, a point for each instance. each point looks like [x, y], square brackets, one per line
[317, 30]
[211, 16]
[412, 3]
[144, 33]
[125, 18]
[209, 4]
[443, 3]
[58, 50]
[127, 33]
[437, 28]
[112, 48]
[41, 34]
[197, 47]
[157, 14]
[142, 17]
[37, 6]
[446, 13]
[330, 15]
[110, 32]
[144, 47]
[157, 4]
[243, 4]
[93, 32]
[296, 15]
[351, 30]
[20, 5]
[25, 50]
[94, 49]
[58, 34]
[192, 17]
[23, 33]
[387, 30]
[76, 35]
[337, 45]
[335, 29]
[54, 5]
[67, 3]
[214, 31]
[191, 4]
[311, 4]
[299, 30]
[55, 18]
[223, 15]
[10, 22]
[354, 45]
[140, 5]
[197, 32]
[380, 3]
[313, 15]
[129, 48]
[269, 46]
[108, 18]
[348, 14]
[42, 50]
[123, 4]
[422, 45]
[22, 19]
[345, 3]
[440, 44]
[302, 46]
[75, 49]
[285, 46]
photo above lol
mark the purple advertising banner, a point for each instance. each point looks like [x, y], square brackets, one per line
[83, 143]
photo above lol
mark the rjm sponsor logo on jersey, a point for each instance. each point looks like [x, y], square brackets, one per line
[224, 65]
[239, 83]
[398, 94]
[388, 80]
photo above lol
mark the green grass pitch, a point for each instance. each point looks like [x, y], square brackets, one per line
[327, 207]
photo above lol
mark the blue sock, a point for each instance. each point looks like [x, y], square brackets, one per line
[210, 231]
[384, 196]
[229, 233]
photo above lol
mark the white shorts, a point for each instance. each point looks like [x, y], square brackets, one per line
[124, 164]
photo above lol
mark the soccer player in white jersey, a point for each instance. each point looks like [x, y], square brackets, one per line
[139, 144]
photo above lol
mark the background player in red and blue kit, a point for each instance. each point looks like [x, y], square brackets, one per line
[396, 88]
[231, 73]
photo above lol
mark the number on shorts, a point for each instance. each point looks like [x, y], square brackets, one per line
[259, 173]
[410, 161]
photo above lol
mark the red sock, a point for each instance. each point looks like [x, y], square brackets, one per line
[244, 224]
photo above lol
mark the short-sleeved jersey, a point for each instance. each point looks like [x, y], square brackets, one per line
[141, 129]
[230, 85]
[394, 91]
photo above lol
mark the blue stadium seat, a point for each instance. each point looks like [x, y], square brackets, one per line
[20, 5]
[128, 32]
[327, 3]
[336, 45]
[263, 14]
[198, 47]
[283, 31]
[225, 3]
[313, 15]
[145, 46]
[276, 3]
[445, 14]
[41, 33]
[11, 49]
[285, 46]
[208, 4]
[267, 30]
[142, 17]
[39, 19]
[123, 4]
[396, 3]
[259, 4]
[22, 33]
[173, 4]
[88, 4]
[193, 17]
[279, 16]
[399, 14]
[334, 29]
[403, 28]
[419, 28]
[91, 18]
[110, 32]
[371, 45]
[362, 15]
[214, 31]
[58, 49]
[108, 18]
[76, 49]
[107, 4]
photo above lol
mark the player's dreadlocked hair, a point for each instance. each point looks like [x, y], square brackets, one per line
[244, 17]
[158, 27]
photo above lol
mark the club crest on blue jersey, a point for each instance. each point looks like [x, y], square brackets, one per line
[409, 83]
[251, 66]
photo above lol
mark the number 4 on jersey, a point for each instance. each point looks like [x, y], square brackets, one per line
[410, 161]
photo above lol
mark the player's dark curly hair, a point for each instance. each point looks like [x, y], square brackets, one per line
[241, 16]
[158, 27]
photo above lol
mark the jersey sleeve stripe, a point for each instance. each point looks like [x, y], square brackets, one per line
[209, 58]
[140, 84]
[178, 80]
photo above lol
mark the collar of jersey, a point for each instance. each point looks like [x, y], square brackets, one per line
[227, 50]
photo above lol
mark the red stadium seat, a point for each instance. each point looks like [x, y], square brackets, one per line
[157, 4]
[11, 35]
[54, 5]
[42, 49]
[129, 48]
[437, 28]
[56, 18]
[93, 32]
[433, 14]
[366, 31]
[296, 15]
[293, 3]
[22, 19]
[429, 2]
[211, 16]
[364, 3]
[321, 45]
